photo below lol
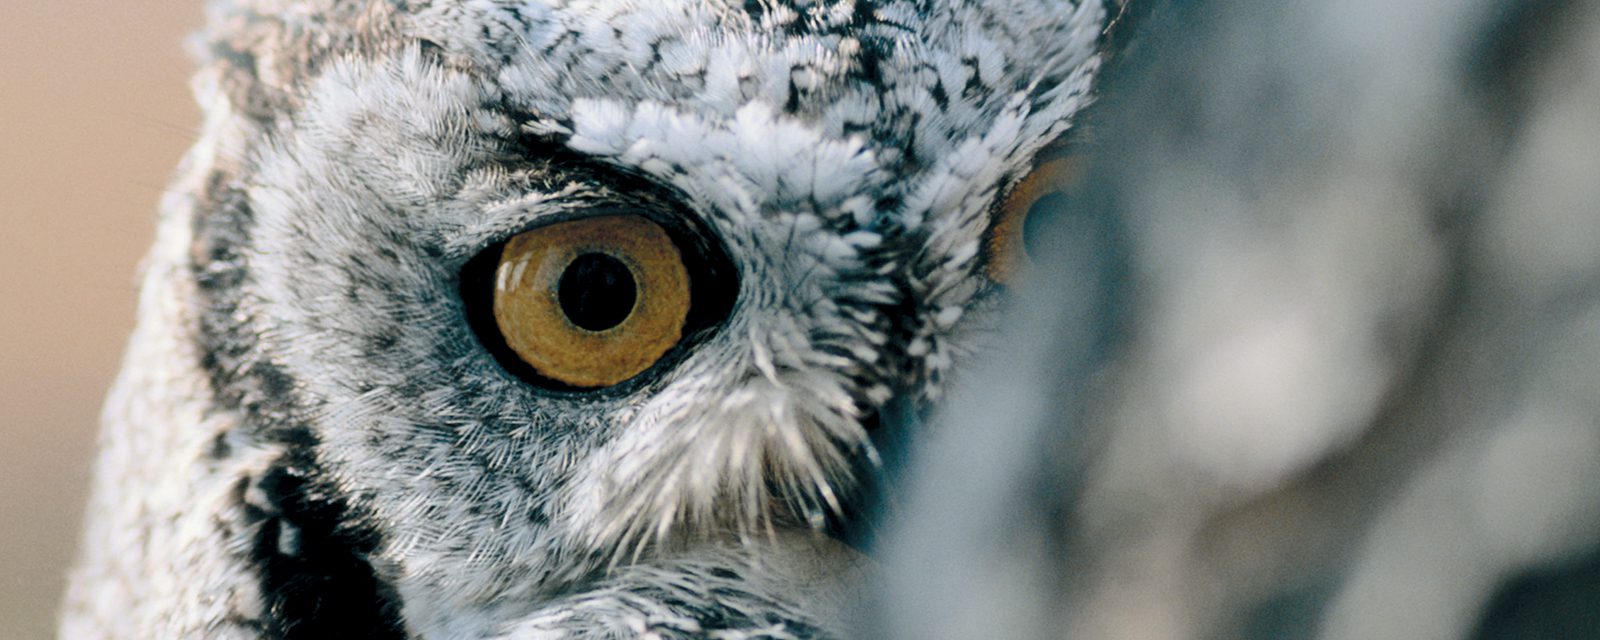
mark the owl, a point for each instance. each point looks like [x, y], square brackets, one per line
[543, 319]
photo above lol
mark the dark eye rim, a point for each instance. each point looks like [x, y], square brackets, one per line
[713, 293]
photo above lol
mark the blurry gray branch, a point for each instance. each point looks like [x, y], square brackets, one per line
[1315, 351]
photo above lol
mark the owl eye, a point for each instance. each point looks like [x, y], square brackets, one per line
[1041, 192]
[591, 302]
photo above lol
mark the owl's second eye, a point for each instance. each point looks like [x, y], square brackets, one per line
[1040, 191]
[591, 302]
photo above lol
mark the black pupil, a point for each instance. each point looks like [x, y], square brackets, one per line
[597, 291]
[1048, 207]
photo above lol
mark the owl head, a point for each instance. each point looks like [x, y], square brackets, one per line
[525, 289]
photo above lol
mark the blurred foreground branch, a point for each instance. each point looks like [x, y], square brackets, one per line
[1315, 351]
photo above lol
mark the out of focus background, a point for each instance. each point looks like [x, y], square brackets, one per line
[94, 114]
[1313, 350]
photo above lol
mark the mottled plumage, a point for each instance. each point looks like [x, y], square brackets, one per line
[308, 437]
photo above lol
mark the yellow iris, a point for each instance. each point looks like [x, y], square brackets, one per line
[591, 302]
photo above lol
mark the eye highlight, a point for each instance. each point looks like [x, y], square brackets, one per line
[1040, 192]
[592, 302]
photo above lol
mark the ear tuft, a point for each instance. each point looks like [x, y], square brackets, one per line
[264, 50]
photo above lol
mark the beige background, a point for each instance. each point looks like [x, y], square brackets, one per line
[94, 113]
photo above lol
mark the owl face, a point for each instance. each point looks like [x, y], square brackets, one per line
[758, 224]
